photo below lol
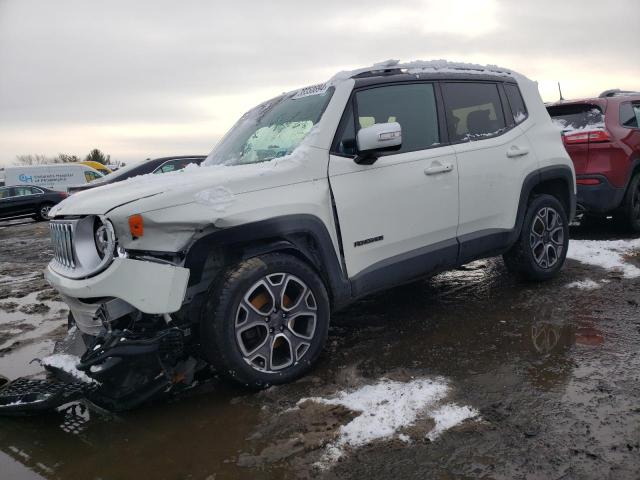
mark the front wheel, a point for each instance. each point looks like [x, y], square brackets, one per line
[43, 212]
[266, 322]
[541, 249]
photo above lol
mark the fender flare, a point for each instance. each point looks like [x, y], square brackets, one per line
[304, 234]
[537, 177]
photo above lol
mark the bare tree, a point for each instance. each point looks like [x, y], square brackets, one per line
[32, 160]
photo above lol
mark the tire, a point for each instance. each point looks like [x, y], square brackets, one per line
[266, 321]
[629, 213]
[541, 249]
[43, 211]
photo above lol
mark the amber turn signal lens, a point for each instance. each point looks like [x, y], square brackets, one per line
[136, 225]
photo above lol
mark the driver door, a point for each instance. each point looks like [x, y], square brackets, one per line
[398, 217]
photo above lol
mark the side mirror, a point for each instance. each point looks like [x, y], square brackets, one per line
[376, 139]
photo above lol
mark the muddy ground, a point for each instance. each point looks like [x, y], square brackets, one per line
[552, 371]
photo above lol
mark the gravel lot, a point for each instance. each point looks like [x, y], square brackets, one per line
[470, 374]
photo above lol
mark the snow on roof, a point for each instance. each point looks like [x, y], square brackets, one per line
[425, 66]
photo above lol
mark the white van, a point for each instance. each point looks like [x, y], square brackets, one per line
[55, 177]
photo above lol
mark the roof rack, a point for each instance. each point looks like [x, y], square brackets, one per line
[616, 92]
[378, 72]
[394, 67]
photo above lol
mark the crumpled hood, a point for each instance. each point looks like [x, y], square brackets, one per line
[176, 188]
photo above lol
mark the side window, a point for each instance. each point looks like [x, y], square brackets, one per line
[413, 106]
[180, 164]
[5, 192]
[166, 167]
[22, 191]
[474, 111]
[173, 165]
[516, 102]
[630, 115]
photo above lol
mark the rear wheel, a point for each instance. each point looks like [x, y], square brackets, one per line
[630, 211]
[43, 211]
[266, 322]
[540, 251]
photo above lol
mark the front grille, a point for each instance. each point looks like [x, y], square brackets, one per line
[62, 240]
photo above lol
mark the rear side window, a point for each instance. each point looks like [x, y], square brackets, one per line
[174, 165]
[516, 103]
[5, 192]
[577, 117]
[474, 111]
[413, 106]
[23, 191]
[630, 115]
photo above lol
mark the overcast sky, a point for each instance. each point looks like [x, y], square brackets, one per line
[153, 78]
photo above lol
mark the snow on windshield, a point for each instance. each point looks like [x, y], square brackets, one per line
[273, 129]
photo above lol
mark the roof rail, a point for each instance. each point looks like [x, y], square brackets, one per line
[378, 72]
[616, 92]
[394, 67]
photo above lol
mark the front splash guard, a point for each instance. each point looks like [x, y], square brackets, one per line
[126, 370]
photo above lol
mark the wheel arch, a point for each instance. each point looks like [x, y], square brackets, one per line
[634, 170]
[556, 180]
[303, 236]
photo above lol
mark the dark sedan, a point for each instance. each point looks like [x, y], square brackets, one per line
[157, 165]
[28, 201]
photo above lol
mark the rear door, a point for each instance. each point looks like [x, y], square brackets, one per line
[398, 217]
[26, 200]
[494, 157]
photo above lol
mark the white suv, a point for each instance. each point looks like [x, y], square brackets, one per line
[314, 199]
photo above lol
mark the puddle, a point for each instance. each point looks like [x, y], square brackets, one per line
[527, 381]
[19, 362]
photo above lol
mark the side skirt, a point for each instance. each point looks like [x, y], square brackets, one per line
[405, 268]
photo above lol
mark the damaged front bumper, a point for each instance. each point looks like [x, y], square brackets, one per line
[126, 348]
[117, 371]
[150, 287]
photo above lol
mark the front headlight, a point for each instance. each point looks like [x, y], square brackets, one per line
[83, 247]
[104, 237]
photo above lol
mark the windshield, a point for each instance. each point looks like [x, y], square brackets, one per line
[273, 129]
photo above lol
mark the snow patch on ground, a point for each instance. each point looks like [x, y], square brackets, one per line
[608, 254]
[586, 284]
[388, 406]
[67, 363]
[448, 416]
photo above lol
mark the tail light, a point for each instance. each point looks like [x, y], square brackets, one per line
[593, 136]
[588, 181]
[599, 136]
[63, 194]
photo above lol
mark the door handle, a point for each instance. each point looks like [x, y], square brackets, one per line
[437, 167]
[517, 151]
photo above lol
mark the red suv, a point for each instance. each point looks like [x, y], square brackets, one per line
[602, 136]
